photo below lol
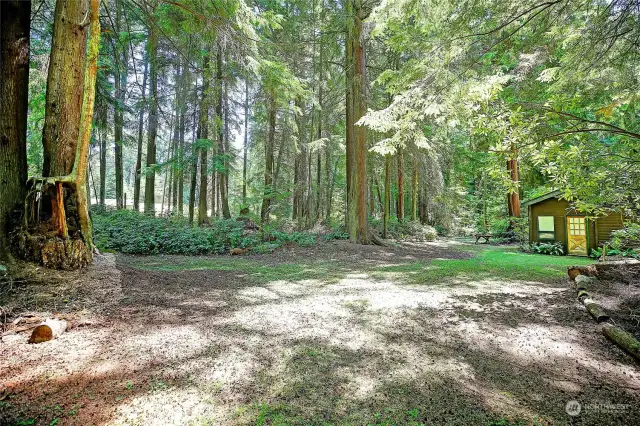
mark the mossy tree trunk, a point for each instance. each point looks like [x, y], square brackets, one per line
[71, 246]
[14, 86]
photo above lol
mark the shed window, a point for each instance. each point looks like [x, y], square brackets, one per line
[546, 228]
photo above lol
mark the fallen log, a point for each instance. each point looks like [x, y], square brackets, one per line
[595, 310]
[582, 281]
[48, 330]
[625, 341]
[589, 271]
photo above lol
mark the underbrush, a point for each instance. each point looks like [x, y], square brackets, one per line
[131, 232]
[406, 230]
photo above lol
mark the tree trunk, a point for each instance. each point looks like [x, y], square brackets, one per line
[103, 153]
[268, 156]
[327, 183]
[118, 117]
[14, 87]
[414, 189]
[223, 174]
[246, 143]
[175, 142]
[150, 176]
[65, 82]
[351, 218]
[400, 184]
[359, 110]
[203, 134]
[143, 106]
[514, 196]
[387, 195]
[194, 162]
[68, 190]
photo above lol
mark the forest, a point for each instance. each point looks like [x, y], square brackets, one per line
[335, 146]
[353, 115]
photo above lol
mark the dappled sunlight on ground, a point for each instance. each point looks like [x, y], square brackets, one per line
[207, 346]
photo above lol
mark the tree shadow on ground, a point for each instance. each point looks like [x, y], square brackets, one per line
[206, 346]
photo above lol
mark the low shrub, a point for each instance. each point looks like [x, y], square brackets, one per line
[131, 232]
[410, 230]
[336, 234]
[553, 249]
[626, 238]
[628, 252]
[511, 230]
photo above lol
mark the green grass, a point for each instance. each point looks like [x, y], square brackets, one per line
[256, 270]
[503, 263]
[488, 263]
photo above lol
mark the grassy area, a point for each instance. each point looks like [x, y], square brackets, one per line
[505, 263]
[488, 262]
[259, 271]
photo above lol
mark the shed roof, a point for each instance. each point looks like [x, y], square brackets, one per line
[548, 195]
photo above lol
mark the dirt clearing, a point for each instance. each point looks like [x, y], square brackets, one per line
[332, 334]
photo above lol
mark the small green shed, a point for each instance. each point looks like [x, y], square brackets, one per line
[552, 218]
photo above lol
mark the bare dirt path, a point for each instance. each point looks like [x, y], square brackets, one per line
[333, 334]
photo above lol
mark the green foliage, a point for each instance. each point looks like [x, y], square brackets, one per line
[407, 229]
[628, 252]
[627, 237]
[131, 232]
[336, 234]
[553, 249]
[511, 230]
[128, 231]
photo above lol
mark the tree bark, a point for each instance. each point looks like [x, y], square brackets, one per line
[222, 151]
[176, 165]
[351, 220]
[268, 155]
[360, 109]
[150, 175]
[118, 117]
[65, 82]
[182, 147]
[143, 106]
[61, 251]
[387, 195]
[625, 341]
[414, 189]
[400, 184]
[194, 162]
[203, 133]
[102, 116]
[14, 87]
[514, 197]
[246, 142]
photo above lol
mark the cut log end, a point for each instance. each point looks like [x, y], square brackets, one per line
[41, 333]
[48, 330]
